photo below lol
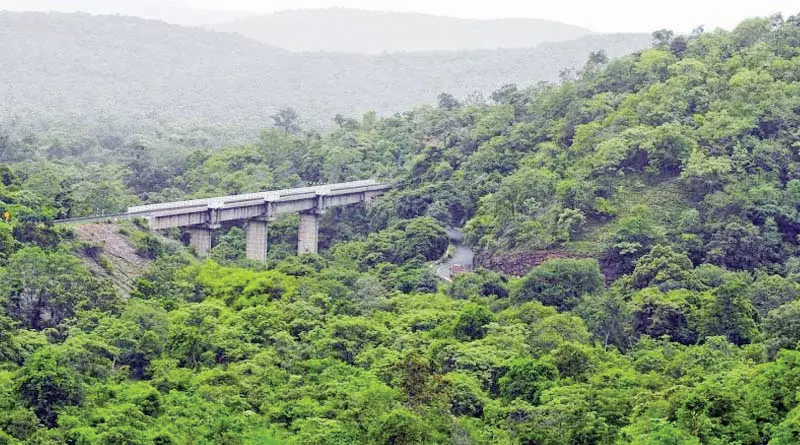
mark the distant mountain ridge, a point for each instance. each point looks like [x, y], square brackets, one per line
[80, 69]
[171, 11]
[372, 32]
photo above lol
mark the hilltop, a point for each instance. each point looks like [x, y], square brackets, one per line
[78, 69]
[371, 32]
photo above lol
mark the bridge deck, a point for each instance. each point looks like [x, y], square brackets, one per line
[229, 201]
[274, 195]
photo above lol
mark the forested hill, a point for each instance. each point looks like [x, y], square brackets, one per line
[360, 31]
[654, 201]
[74, 69]
[171, 11]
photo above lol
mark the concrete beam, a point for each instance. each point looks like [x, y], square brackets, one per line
[256, 233]
[308, 234]
[200, 240]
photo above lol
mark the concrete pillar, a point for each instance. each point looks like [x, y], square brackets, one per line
[256, 234]
[369, 199]
[308, 236]
[200, 239]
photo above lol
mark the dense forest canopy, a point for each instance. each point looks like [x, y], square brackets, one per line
[638, 223]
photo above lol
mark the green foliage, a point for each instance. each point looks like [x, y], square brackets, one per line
[634, 236]
[657, 314]
[672, 173]
[7, 242]
[526, 379]
[483, 283]
[406, 240]
[471, 322]
[561, 283]
[662, 267]
[730, 313]
[148, 245]
[42, 290]
[231, 247]
[46, 385]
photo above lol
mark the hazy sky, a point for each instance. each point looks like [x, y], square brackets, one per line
[598, 15]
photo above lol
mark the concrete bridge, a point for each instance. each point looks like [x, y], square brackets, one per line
[201, 216]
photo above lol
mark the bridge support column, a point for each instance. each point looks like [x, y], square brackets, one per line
[200, 240]
[256, 236]
[308, 235]
[369, 199]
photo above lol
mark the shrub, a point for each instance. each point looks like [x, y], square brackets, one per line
[480, 283]
[105, 263]
[561, 282]
[471, 322]
[148, 246]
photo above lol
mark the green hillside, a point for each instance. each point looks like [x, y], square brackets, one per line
[650, 205]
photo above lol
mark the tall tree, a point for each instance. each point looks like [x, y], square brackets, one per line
[287, 120]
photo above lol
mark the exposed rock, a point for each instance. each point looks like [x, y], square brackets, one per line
[518, 264]
[125, 264]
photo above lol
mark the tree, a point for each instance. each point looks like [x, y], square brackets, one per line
[782, 327]
[100, 191]
[597, 60]
[510, 95]
[42, 290]
[471, 322]
[789, 429]
[448, 102]
[140, 335]
[400, 427]
[287, 120]
[526, 379]
[565, 416]
[678, 46]
[561, 283]
[770, 292]
[407, 239]
[635, 235]
[231, 247]
[663, 267]
[663, 38]
[730, 312]
[47, 385]
[656, 432]
[8, 348]
[7, 242]
[657, 314]
[480, 283]
[346, 123]
[608, 316]
[144, 175]
[741, 245]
